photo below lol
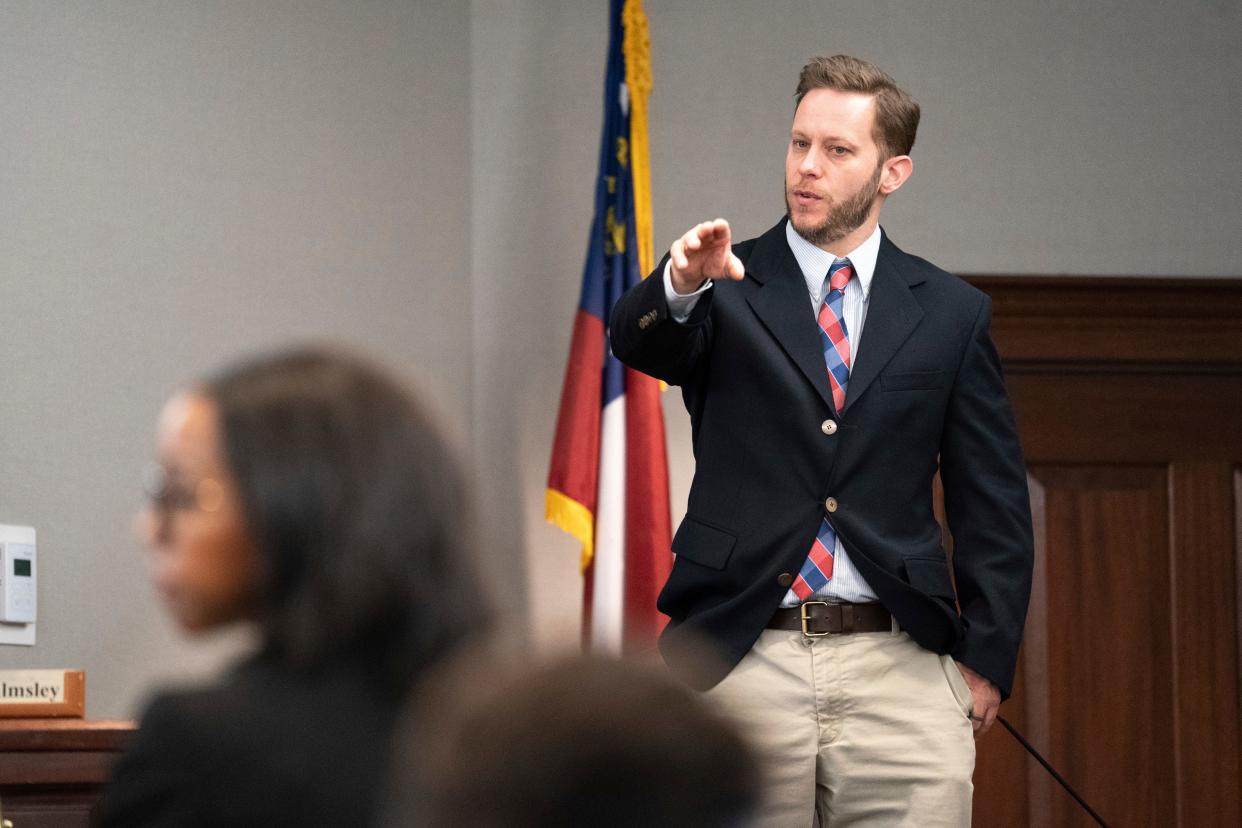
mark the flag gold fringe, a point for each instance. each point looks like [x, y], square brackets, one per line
[637, 48]
[572, 517]
[638, 77]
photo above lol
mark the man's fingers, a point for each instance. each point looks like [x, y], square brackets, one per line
[981, 721]
[982, 727]
[711, 232]
[705, 248]
[678, 254]
[714, 241]
[986, 698]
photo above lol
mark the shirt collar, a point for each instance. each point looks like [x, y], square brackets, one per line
[815, 261]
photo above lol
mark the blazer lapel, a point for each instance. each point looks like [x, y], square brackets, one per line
[892, 315]
[782, 305]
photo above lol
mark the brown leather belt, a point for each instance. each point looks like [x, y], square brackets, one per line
[816, 618]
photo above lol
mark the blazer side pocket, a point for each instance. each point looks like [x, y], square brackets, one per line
[912, 381]
[704, 544]
[931, 576]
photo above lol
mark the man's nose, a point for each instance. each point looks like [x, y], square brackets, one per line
[810, 163]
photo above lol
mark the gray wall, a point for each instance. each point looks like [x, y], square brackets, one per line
[180, 183]
[1056, 137]
[184, 181]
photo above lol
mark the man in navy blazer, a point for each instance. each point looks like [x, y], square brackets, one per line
[863, 678]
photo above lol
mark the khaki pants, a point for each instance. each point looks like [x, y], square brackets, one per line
[860, 729]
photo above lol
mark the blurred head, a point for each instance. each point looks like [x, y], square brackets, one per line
[307, 491]
[586, 741]
[204, 564]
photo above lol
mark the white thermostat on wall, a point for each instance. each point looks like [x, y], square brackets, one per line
[18, 591]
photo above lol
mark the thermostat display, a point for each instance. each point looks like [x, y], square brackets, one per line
[18, 596]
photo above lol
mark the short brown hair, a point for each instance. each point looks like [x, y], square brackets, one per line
[896, 113]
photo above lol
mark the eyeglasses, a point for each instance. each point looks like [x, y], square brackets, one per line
[168, 495]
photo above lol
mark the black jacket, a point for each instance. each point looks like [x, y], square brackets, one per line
[925, 393]
[267, 746]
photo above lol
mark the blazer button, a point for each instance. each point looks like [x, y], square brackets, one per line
[785, 579]
[828, 426]
[831, 504]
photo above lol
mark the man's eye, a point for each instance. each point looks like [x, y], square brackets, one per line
[838, 150]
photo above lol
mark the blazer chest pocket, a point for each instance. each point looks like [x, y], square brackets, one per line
[930, 576]
[704, 544]
[912, 381]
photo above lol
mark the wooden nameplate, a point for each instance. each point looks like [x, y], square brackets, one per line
[42, 694]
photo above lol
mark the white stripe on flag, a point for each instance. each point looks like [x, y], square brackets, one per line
[607, 607]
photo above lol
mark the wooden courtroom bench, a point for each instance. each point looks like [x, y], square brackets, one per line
[51, 770]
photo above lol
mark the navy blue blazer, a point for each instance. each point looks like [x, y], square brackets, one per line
[925, 394]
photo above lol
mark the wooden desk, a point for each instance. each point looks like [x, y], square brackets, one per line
[51, 770]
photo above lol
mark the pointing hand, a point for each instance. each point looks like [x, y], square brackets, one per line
[704, 253]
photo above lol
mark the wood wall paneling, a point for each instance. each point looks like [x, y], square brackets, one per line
[1128, 398]
[1108, 653]
[1205, 622]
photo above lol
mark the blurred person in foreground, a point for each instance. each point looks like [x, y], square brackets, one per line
[307, 493]
[581, 741]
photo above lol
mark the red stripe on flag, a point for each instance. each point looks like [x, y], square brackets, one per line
[648, 525]
[575, 452]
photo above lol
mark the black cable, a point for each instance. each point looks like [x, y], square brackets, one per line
[1051, 770]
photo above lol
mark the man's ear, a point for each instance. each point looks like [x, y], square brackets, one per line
[894, 172]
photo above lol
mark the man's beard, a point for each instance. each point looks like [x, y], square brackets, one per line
[843, 218]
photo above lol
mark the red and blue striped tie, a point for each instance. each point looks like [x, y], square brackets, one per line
[817, 570]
